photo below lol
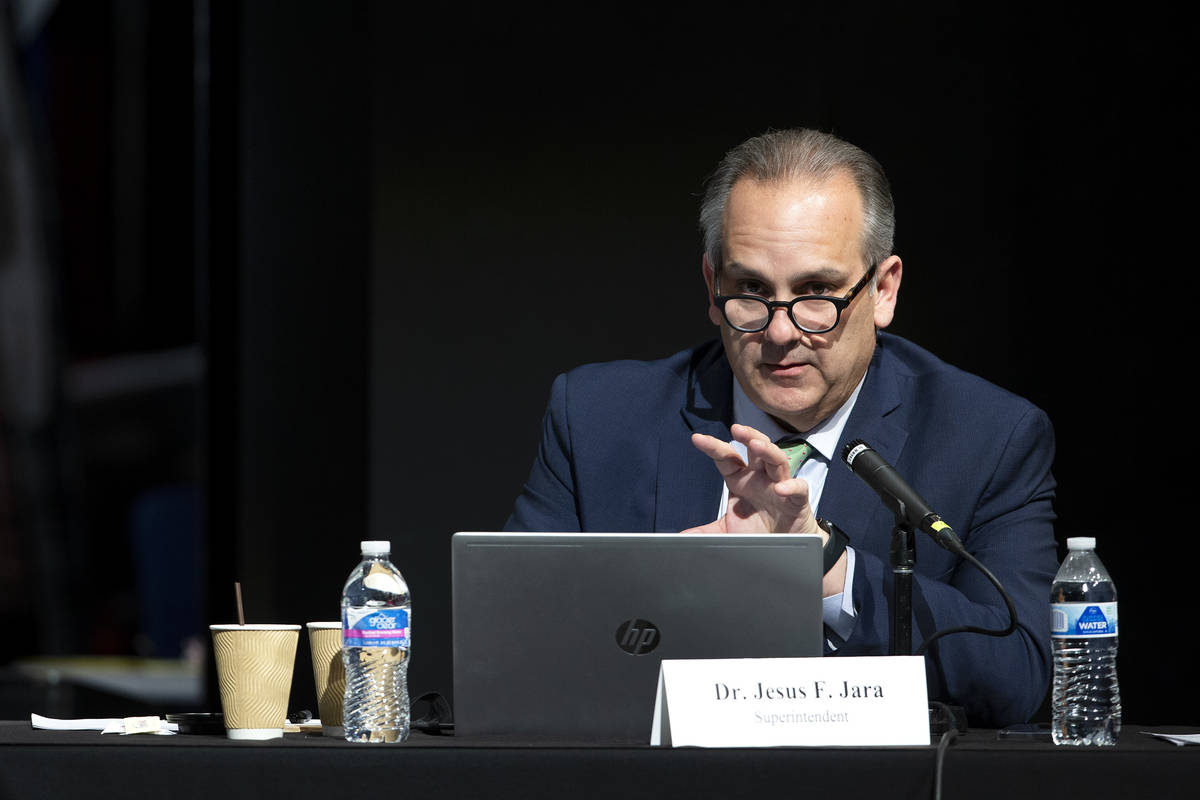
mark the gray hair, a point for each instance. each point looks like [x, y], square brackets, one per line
[798, 154]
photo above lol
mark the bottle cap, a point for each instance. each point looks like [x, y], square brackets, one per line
[1081, 543]
[376, 548]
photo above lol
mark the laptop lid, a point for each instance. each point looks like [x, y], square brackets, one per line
[561, 635]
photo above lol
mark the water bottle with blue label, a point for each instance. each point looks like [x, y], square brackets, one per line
[1085, 700]
[376, 631]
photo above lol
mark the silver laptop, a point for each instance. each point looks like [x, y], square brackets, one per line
[561, 635]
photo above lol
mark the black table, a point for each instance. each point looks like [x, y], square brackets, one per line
[977, 765]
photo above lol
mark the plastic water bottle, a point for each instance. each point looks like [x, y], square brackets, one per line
[1086, 700]
[376, 630]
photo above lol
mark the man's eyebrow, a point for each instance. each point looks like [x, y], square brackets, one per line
[826, 274]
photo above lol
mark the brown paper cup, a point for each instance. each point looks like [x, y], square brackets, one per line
[329, 674]
[254, 670]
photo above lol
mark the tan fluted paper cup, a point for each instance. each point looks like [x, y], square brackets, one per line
[329, 674]
[254, 671]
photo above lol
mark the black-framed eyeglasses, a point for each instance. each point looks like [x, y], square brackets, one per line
[811, 313]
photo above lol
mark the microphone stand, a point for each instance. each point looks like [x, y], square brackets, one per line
[904, 558]
[942, 717]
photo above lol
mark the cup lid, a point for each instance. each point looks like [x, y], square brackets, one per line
[253, 626]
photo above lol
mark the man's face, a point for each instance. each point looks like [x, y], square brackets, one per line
[788, 239]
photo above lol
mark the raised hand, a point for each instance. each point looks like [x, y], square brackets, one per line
[763, 496]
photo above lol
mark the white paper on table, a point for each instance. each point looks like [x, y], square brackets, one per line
[113, 725]
[1178, 738]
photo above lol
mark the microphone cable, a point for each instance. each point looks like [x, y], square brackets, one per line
[939, 765]
[1012, 611]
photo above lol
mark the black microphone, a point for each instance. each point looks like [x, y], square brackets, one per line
[897, 495]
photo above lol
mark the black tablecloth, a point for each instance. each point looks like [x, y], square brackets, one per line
[978, 765]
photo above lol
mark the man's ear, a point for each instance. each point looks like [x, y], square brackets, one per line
[887, 290]
[714, 313]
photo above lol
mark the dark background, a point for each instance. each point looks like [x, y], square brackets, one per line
[349, 245]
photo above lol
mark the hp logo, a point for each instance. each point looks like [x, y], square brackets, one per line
[637, 636]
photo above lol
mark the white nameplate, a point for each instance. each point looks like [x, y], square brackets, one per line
[770, 702]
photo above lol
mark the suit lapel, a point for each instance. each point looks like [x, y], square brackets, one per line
[877, 419]
[689, 486]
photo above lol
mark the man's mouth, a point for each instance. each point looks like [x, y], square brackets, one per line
[786, 370]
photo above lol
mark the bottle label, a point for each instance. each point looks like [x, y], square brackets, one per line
[1083, 620]
[375, 627]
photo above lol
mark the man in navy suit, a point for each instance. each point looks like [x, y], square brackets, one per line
[801, 281]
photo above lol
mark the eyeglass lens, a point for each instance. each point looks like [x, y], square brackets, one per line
[750, 313]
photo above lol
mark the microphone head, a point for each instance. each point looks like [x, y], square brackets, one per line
[852, 449]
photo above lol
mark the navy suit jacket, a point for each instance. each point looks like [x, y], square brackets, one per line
[616, 455]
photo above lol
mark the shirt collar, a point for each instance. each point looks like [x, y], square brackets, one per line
[823, 437]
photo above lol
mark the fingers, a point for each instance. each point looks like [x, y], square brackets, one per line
[727, 459]
[770, 459]
[745, 434]
[762, 454]
[792, 489]
[799, 515]
[763, 495]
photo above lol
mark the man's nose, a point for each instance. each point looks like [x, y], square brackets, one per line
[780, 328]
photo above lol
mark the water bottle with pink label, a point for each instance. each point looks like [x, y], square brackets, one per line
[376, 641]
